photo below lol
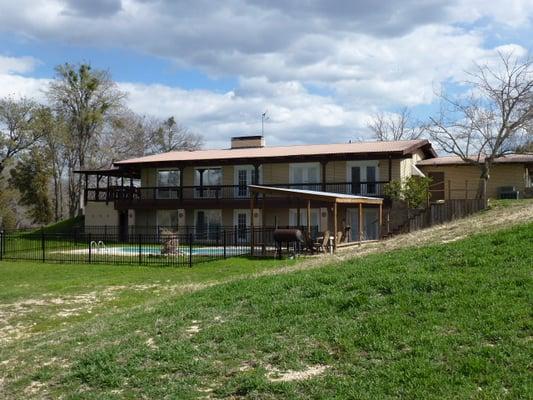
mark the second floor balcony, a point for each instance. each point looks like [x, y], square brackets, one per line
[131, 196]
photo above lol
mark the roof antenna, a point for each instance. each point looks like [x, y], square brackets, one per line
[264, 117]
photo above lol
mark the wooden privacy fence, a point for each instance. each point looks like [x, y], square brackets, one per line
[439, 213]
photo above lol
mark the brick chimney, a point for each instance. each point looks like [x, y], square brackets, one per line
[247, 142]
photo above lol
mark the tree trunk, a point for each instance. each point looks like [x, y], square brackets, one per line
[485, 176]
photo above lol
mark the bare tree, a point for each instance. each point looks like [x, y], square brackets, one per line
[84, 98]
[18, 130]
[492, 119]
[172, 136]
[399, 126]
[126, 135]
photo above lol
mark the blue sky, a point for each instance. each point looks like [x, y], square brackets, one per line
[322, 69]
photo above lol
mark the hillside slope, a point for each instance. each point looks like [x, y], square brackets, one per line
[448, 320]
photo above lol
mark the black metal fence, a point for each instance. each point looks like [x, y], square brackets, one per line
[163, 248]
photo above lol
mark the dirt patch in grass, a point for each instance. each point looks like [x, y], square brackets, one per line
[275, 375]
[15, 318]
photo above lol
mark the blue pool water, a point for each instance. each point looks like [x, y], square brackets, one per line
[196, 251]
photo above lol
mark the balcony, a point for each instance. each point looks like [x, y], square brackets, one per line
[127, 196]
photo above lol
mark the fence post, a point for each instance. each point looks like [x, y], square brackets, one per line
[1, 245]
[190, 249]
[223, 240]
[42, 245]
[140, 249]
[90, 247]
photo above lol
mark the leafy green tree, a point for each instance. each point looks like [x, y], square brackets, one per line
[8, 215]
[84, 98]
[18, 131]
[414, 191]
[31, 177]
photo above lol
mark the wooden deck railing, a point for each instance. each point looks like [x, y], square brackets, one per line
[222, 192]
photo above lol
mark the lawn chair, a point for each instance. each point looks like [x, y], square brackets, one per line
[322, 245]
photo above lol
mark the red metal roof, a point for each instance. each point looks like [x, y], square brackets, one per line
[455, 160]
[404, 147]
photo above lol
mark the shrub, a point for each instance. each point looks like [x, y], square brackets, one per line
[414, 191]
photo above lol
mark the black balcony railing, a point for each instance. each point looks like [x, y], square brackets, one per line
[223, 192]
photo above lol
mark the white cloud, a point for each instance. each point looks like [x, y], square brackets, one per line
[19, 65]
[320, 68]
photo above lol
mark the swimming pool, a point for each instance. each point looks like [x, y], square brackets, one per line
[183, 251]
[196, 251]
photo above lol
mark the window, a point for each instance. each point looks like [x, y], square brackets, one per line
[168, 182]
[207, 224]
[208, 181]
[305, 176]
[315, 217]
[167, 218]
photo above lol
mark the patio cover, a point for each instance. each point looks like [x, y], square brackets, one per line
[310, 195]
[338, 198]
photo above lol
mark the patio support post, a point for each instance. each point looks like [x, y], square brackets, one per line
[380, 220]
[181, 183]
[334, 226]
[323, 164]
[390, 168]
[85, 191]
[252, 203]
[263, 207]
[201, 172]
[107, 191]
[255, 179]
[360, 222]
[309, 218]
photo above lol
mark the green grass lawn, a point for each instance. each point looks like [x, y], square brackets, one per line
[443, 321]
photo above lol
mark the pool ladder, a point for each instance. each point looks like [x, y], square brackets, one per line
[94, 245]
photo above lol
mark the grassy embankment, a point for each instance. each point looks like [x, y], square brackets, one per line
[449, 320]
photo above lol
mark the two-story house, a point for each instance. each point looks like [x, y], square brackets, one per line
[204, 190]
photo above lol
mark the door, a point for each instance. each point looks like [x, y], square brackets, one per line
[356, 180]
[123, 225]
[207, 223]
[241, 220]
[243, 178]
[363, 177]
[437, 187]
[370, 223]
